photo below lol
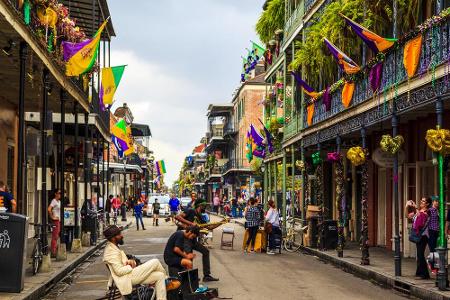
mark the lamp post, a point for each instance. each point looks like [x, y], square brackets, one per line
[340, 194]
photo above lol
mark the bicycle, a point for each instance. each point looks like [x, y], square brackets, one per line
[115, 211]
[38, 250]
[293, 238]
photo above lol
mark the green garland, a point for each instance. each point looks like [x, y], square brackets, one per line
[431, 23]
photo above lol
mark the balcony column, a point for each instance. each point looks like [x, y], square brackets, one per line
[304, 185]
[44, 128]
[397, 254]
[293, 180]
[275, 198]
[269, 184]
[283, 189]
[442, 275]
[63, 160]
[108, 174]
[340, 195]
[364, 206]
[21, 159]
[98, 167]
[76, 166]
[85, 155]
[265, 190]
[105, 196]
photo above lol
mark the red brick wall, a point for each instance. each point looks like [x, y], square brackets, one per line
[251, 94]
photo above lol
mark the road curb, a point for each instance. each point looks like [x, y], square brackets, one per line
[386, 280]
[42, 289]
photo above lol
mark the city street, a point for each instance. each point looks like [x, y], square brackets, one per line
[242, 276]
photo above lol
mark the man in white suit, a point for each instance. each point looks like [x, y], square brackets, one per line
[124, 271]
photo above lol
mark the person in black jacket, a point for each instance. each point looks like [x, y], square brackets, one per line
[89, 218]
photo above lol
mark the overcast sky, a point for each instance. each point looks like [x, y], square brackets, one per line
[182, 55]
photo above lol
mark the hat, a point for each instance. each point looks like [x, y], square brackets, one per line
[434, 198]
[199, 203]
[111, 231]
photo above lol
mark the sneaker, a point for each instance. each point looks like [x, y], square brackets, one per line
[144, 229]
[172, 284]
[270, 252]
[209, 278]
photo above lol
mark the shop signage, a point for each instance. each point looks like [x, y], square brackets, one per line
[386, 160]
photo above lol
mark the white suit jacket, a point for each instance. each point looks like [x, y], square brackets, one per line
[120, 272]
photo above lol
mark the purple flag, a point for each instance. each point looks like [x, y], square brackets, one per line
[257, 139]
[259, 153]
[121, 145]
[345, 62]
[375, 76]
[302, 83]
[69, 49]
[268, 137]
[327, 99]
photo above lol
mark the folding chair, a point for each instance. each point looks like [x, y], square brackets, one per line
[227, 231]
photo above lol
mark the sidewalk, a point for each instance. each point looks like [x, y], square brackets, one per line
[37, 286]
[380, 270]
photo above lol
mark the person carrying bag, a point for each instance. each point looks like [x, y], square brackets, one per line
[419, 236]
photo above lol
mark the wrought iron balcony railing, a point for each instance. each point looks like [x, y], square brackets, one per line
[238, 164]
[435, 51]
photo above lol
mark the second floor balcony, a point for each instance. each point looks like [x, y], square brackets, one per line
[435, 53]
[236, 165]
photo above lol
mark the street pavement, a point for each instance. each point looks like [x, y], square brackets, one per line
[242, 276]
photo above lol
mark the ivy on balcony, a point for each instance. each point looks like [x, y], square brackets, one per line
[376, 15]
[270, 20]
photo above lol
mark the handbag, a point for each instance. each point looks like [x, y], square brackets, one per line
[415, 237]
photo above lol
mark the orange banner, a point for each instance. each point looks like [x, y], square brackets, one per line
[411, 55]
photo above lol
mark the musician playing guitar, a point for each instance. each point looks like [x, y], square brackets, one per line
[191, 217]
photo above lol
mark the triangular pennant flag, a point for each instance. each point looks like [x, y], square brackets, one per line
[345, 62]
[306, 88]
[110, 81]
[372, 40]
[411, 55]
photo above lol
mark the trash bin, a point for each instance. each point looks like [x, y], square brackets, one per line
[328, 235]
[13, 238]
[313, 232]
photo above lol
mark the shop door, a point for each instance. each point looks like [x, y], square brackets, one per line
[411, 192]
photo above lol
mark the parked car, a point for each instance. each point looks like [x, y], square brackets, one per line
[163, 200]
[184, 201]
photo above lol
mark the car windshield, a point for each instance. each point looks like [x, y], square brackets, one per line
[185, 200]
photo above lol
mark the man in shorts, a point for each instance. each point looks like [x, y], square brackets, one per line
[174, 205]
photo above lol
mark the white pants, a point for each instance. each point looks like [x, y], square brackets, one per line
[151, 272]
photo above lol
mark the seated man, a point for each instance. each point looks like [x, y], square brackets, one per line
[175, 255]
[188, 218]
[124, 271]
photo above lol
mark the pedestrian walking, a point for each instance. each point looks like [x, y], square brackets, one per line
[216, 203]
[241, 204]
[156, 206]
[174, 205]
[234, 207]
[420, 227]
[138, 207]
[108, 209]
[272, 227]
[54, 212]
[252, 220]
[89, 218]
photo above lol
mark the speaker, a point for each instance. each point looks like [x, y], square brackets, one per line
[31, 144]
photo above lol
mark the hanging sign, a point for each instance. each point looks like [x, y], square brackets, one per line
[385, 159]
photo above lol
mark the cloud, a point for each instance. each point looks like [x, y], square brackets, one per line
[181, 56]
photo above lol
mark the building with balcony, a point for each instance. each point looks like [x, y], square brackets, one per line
[407, 103]
[52, 126]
